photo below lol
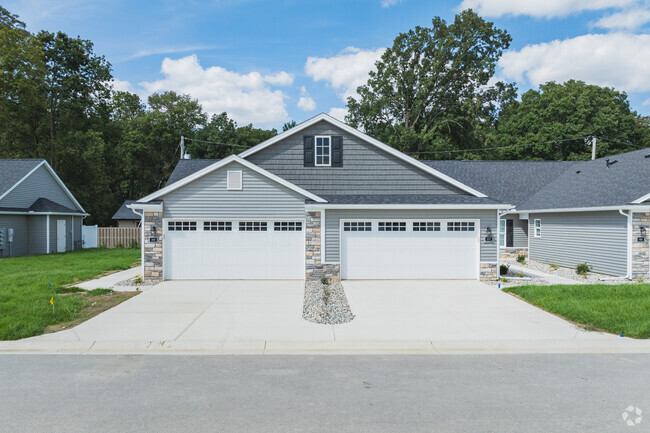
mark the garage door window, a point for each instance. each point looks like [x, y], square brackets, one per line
[217, 226]
[426, 226]
[460, 226]
[287, 226]
[389, 226]
[252, 226]
[357, 226]
[177, 226]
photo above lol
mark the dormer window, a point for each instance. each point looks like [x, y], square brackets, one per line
[323, 151]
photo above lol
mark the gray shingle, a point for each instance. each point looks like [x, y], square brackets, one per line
[124, 213]
[186, 167]
[13, 170]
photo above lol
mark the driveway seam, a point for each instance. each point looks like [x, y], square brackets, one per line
[201, 314]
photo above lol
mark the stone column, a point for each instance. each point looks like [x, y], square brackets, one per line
[640, 250]
[153, 255]
[488, 272]
[314, 267]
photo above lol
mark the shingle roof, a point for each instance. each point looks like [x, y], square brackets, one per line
[185, 167]
[595, 183]
[408, 199]
[43, 205]
[511, 182]
[124, 213]
[13, 170]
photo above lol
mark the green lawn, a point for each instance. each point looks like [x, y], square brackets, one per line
[619, 309]
[28, 283]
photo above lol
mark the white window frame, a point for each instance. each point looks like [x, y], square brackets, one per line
[329, 150]
[537, 230]
[503, 230]
[241, 180]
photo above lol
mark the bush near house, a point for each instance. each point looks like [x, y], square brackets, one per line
[28, 283]
[583, 269]
[620, 309]
[521, 258]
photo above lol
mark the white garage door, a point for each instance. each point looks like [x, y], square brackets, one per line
[401, 249]
[234, 250]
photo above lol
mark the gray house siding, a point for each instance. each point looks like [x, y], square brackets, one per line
[37, 234]
[365, 170]
[68, 232]
[20, 244]
[207, 197]
[598, 238]
[519, 232]
[78, 223]
[488, 218]
[39, 184]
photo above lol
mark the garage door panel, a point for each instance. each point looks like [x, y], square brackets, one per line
[409, 254]
[234, 254]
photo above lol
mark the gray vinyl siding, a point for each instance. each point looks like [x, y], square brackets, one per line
[207, 197]
[78, 222]
[39, 184]
[519, 232]
[488, 218]
[20, 245]
[37, 234]
[68, 231]
[366, 169]
[598, 238]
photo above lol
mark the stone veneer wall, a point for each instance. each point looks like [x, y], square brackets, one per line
[153, 255]
[488, 272]
[512, 253]
[315, 269]
[640, 250]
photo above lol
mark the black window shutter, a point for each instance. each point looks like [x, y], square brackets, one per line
[309, 150]
[337, 151]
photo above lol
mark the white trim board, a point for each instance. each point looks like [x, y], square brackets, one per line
[222, 163]
[350, 130]
[585, 209]
[314, 207]
[42, 213]
[642, 199]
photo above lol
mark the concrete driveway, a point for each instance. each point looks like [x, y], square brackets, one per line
[266, 317]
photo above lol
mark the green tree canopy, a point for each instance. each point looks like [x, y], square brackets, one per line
[431, 89]
[555, 122]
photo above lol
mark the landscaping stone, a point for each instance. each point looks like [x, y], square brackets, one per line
[326, 303]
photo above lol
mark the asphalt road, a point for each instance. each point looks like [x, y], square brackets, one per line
[482, 393]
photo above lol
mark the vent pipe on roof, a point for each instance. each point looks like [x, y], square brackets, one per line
[182, 145]
[593, 148]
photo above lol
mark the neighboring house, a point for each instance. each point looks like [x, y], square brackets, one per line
[38, 214]
[324, 199]
[125, 217]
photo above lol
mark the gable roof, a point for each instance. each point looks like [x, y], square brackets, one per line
[368, 139]
[13, 171]
[221, 163]
[185, 167]
[16, 166]
[511, 182]
[125, 213]
[596, 183]
[43, 206]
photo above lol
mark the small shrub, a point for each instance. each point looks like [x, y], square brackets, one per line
[504, 280]
[521, 275]
[554, 267]
[583, 269]
[137, 279]
[324, 280]
[521, 258]
[503, 269]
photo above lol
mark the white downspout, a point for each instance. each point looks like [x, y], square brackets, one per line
[629, 242]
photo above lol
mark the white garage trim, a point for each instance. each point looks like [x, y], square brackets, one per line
[443, 223]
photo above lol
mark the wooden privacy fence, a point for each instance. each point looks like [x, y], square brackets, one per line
[116, 237]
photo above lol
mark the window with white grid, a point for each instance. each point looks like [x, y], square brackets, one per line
[460, 226]
[217, 226]
[252, 226]
[287, 226]
[391, 226]
[426, 226]
[178, 226]
[357, 226]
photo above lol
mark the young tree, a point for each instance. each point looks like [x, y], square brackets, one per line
[431, 88]
[556, 122]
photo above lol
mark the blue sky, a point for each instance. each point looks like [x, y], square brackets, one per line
[266, 62]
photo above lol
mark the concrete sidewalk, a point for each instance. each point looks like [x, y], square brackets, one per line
[264, 317]
[109, 281]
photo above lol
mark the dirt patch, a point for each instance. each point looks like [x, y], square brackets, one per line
[93, 305]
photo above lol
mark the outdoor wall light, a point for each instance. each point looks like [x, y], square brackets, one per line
[153, 230]
[488, 231]
[642, 230]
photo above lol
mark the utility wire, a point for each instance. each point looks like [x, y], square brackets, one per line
[214, 142]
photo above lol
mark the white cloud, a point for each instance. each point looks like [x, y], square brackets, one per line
[346, 71]
[245, 97]
[306, 102]
[389, 3]
[618, 60]
[630, 19]
[540, 8]
[338, 113]
[279, 79]
[166, 50]
[121, 85]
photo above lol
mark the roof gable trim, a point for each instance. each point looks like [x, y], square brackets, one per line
[352, 131]
[222, 163]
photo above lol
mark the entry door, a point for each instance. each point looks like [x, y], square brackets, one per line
[60, 236]
[422, 249]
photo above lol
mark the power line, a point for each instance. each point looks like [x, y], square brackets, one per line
[214, 142]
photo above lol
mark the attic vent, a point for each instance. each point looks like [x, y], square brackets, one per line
[234, 180]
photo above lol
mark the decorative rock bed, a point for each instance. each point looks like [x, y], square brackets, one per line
[326, 303]
[135, 282]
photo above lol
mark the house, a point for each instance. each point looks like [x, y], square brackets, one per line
[38, 214]
[326, 200]
[125, 217]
